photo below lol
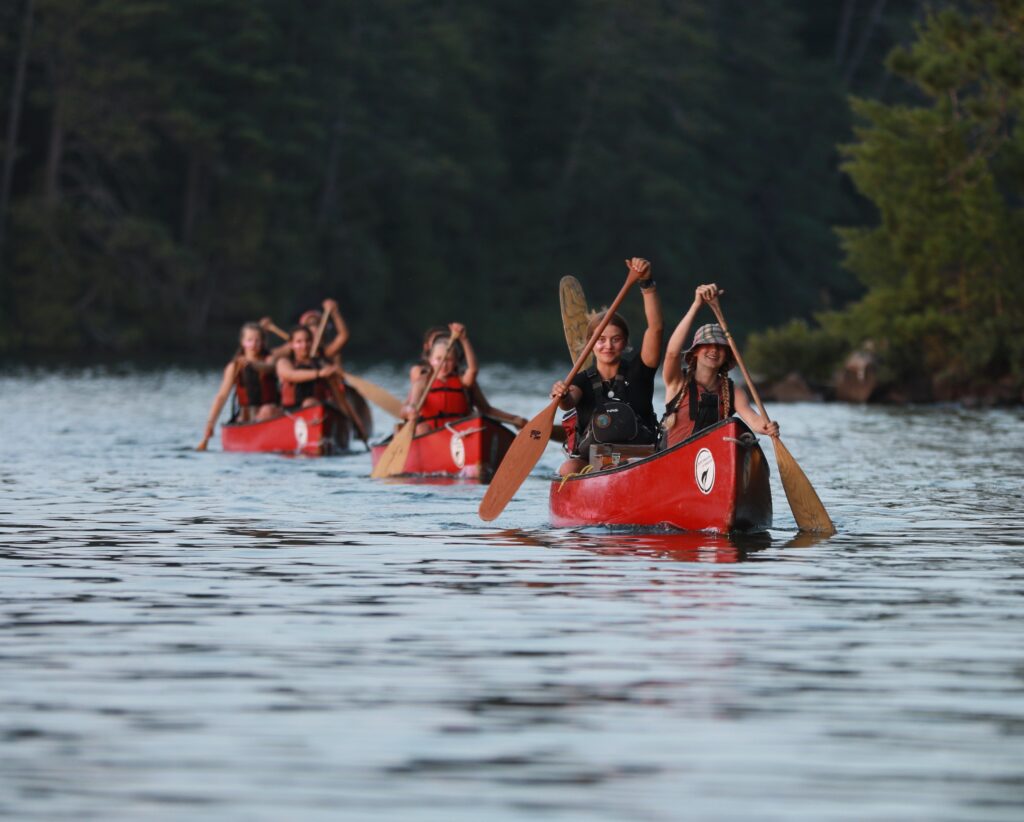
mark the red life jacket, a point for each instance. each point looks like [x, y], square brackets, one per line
[446, 400]
[254, 386]
[293, 394]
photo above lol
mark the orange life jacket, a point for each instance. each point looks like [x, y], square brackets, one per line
[254, 386]
[293, 394]
[686, 405]
[446, 400]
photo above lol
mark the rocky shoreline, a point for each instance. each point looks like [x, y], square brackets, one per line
[858, 382]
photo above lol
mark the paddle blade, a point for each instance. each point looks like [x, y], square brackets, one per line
[380, 397]
[810, 514]
[201, 446]
[522, 455]
[574, 317]
[392, 461]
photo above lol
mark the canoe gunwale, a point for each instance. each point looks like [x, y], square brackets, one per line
[604, 472]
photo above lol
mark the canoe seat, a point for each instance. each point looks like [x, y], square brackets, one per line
[603, 455]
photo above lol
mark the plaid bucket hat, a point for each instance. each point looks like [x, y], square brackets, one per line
[710, 334]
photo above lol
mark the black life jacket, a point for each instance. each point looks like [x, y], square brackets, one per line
[613, 420]
[704, 408]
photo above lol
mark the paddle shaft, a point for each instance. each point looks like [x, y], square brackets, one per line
[716, 308]
[319, 333]
[338, 391]
[280, 332]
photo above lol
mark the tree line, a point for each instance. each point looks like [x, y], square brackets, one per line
[171, 169]
[941, 258]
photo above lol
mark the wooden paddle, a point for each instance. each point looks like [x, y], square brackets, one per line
[276, 330]
[392, 461]
[337, 389]
[810, 514]
[380, 397]
[319, 334]
[575, 316]
[529, 443]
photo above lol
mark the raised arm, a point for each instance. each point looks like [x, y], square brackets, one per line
[472, 368]
[278, 351]
[672, 371]
[230, 372]
[650, 349]
[334, 349]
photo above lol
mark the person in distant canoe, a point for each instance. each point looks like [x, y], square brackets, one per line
[701, 393]
[614, 399]
[455, 392]
[330, 351]
[303, 377]
[251, 374]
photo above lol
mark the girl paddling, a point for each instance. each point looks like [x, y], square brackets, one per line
[303, 376]
[251, 374]
[701, 393]
[613, 399]
[454, 393]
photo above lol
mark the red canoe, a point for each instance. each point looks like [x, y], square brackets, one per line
[715, 481]
[467, 448]
[317, 431]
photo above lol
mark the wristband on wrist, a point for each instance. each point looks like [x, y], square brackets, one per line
[647, 285]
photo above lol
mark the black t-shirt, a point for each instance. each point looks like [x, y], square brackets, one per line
[639, 392]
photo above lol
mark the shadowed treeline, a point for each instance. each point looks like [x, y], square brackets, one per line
[171, 169]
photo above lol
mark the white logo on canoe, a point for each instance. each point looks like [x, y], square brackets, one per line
[458, 449]
[301, 433]
[704, 471]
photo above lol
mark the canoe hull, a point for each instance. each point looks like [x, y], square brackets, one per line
[318, 431]
[468, 448]
[716, 481]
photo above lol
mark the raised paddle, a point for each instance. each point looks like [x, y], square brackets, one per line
[392, 461]
[276, 330]
[324, 317]
[808, 511]
[530, 442]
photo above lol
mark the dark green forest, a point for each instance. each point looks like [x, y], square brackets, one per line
[174, 168]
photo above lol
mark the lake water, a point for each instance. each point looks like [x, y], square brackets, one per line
[224, 636]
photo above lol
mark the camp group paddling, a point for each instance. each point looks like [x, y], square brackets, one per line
[610, 404]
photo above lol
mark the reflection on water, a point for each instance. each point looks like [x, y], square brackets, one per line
[238, 636]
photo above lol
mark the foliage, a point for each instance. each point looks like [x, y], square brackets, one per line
[183, 166]
[815, 353]
[943, 171]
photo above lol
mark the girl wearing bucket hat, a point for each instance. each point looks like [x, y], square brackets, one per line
[698, 391]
